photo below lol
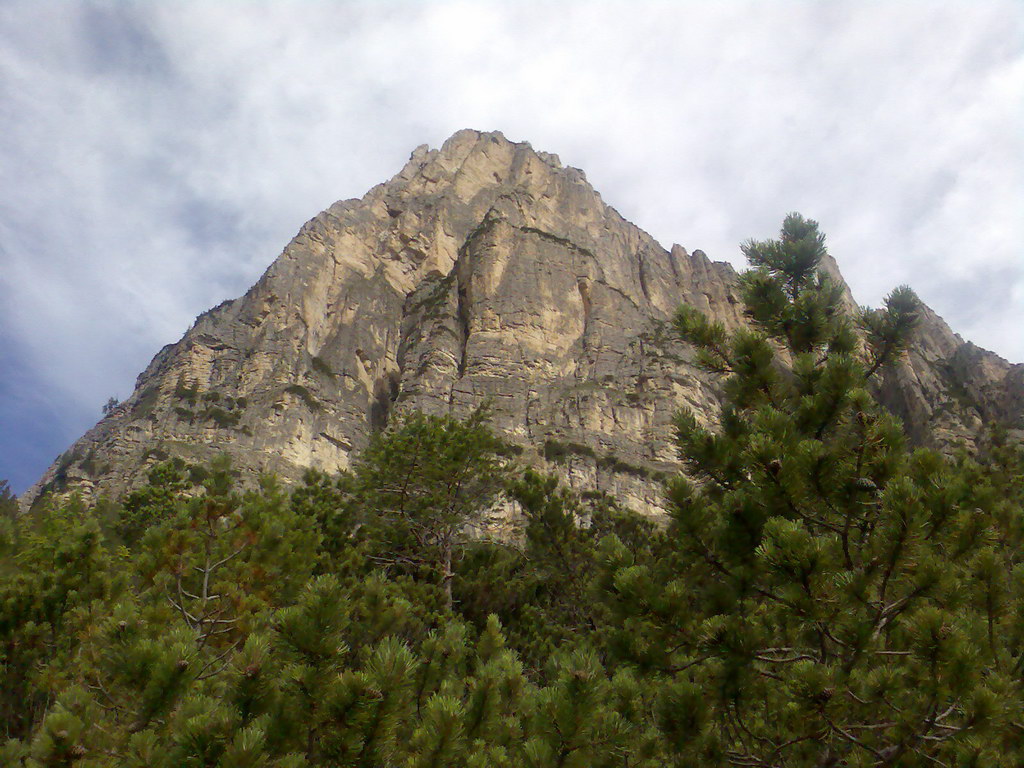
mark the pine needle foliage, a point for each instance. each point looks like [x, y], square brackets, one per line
[833, 597]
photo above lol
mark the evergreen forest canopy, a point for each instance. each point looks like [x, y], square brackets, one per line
[823, 594]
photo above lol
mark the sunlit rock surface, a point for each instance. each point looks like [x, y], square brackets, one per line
[484, 272]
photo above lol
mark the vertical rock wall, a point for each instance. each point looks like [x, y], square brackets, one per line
[484, 272]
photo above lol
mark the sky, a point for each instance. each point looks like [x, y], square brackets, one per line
[156, 157]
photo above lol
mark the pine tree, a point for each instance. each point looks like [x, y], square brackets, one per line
[542, 589]
[583, 719]
[425, 483]
[834, 598]
[330, 502]
[152, 503]
[54, 572]
[225, 557]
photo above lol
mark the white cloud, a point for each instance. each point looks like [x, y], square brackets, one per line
[154, 158]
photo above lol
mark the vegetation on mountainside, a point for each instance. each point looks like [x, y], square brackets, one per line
[823, 595]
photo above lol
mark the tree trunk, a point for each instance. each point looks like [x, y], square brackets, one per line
[446, 577]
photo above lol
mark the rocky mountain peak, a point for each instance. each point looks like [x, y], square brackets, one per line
[483, 272]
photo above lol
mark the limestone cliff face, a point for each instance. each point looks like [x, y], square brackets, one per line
[482, 272]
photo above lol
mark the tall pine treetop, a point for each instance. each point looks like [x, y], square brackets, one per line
[794, 304]
[794, 257]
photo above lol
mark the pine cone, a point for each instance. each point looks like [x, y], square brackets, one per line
[865, 484]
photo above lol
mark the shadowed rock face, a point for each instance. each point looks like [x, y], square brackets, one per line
[484, 272]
